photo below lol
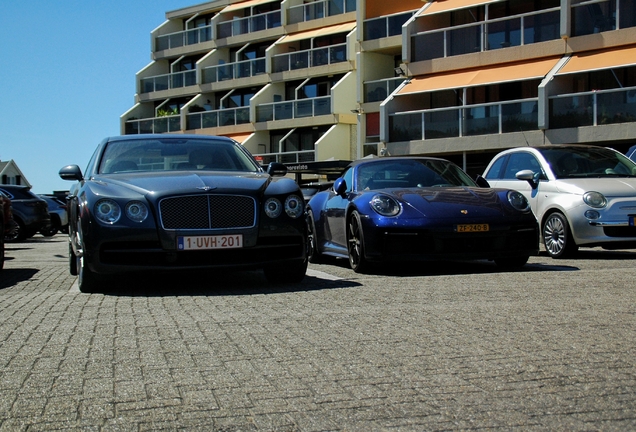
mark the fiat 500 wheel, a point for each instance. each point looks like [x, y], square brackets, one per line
[557, 238]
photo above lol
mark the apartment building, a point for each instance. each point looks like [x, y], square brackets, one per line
[298, 80]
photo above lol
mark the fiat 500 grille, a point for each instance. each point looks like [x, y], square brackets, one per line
[208, 212]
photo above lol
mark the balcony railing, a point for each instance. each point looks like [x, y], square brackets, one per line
[310, 58]
[216, 118]
[518, 30]
[287, 157]
[593, 108]
[386, 26]
[154, 125]
[319, 9]
[293, 109]
[183, 38]
[375, 91]
[249, 24]
[482, 119]
[229, 71]
[168, 81]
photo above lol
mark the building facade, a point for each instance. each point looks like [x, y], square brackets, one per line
[298, 81]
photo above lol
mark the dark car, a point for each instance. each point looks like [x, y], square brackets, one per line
[30, 212]
[58, 214]
[6, 218]
[412, 209]
[182, 202]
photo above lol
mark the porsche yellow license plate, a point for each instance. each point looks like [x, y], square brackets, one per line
[467, 228]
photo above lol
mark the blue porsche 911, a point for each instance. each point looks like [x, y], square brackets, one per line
[412, 209]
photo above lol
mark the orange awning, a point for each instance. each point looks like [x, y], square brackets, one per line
[323, 31]
[378, 8]
[598, 60]
[240, 137]
[440, 6]
[245, 4]
[507, 72]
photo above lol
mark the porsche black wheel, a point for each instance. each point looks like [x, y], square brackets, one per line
[286, 274]
[557, 238]
[355, 244]
[313, 255]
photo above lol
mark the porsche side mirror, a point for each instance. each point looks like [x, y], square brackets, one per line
[340, 186]
[482, 182]
[276, 169]
[528, 176]
[71, 172]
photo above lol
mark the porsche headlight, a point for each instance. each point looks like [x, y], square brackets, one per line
[107, 211]
[385, 205]
[595, 199]
[273, 208]
[136, 211]
[294, 206]
[518, 201]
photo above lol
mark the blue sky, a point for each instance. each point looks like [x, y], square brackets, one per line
[67, 75]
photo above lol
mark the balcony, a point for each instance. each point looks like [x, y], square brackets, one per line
[183, 38]
[217, 118]
[377, 91]
[386, 26]
[229, 71]
[524, 29]
[249, 24]
[154, 125]
[287, 157]
[593, 108]
[479, 119]
[310, 58]
[168, 81]
[293, 109]
[319, 9]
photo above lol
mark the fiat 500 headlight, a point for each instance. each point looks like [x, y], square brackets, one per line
[385, 205]
[595, 199]
[107, 211]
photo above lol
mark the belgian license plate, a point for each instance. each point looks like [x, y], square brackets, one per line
[210, 242]
[473, 228]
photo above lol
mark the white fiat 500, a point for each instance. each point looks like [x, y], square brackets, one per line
[582, 196]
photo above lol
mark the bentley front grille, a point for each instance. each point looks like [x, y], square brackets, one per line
[207, 212]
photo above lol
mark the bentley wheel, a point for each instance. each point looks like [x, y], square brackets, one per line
[72, 260]
[355, 244]
[313, 255]
[557, 238]
[87, 280]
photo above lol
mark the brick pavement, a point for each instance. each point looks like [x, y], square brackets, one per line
[548, 348]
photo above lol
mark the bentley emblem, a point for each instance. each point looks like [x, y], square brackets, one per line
[206, 188]
[463, 211]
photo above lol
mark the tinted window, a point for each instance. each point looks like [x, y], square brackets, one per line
[495, 170]
[520, 161]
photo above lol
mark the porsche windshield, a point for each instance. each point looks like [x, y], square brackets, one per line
[411, 173]
[175, 155]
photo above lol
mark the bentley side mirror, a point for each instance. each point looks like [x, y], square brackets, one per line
[276, 169]
[71, 172]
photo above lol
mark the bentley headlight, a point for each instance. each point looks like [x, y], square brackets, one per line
[385, 205]
[518, 201]
[136, 211]
[294, 206]
[273, 207]
[107, 211]
[595, 199]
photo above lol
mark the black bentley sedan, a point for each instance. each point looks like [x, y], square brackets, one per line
[179, 202]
